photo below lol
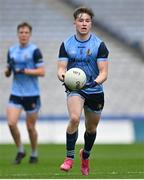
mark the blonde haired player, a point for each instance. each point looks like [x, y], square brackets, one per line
[25, 63]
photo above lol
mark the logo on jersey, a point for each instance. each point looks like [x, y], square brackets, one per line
[88, 52]
[26, 57]
[81, 51]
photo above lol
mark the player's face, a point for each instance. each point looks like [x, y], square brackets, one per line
[83, 24]
[24, 35]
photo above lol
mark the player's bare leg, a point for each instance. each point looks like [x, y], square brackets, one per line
[75, 104]
[13, 115]
[33, 136]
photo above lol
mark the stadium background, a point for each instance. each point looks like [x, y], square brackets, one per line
[121, 25]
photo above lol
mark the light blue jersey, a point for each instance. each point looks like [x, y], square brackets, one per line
[85, 55]
[28, 57]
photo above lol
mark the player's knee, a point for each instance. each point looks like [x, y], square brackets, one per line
[91, 129]
[11, 124]
[30, 129]
[75, 119]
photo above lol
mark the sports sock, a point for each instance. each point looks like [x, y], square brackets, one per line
[89, 141]
[34, 153]
[21, 149]
[70, 144]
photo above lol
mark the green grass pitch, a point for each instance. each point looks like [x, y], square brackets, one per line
[111, 161]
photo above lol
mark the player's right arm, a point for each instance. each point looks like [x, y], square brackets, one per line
[62, 63]
[8, 70]
[61, 70]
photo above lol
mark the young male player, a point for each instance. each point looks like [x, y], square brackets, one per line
[86, 51]
[25, 62]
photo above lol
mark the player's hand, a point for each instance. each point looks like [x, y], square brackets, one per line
[63, 77]
[90, 84]
[66, 88]
[7, 72]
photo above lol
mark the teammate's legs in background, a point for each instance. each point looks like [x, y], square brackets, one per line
[13, 115]
[33, 136]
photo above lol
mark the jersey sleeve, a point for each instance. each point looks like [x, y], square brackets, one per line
[62, 52]
[38, 58]
[102, 52]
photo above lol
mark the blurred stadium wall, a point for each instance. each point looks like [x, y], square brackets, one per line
[121, 25]
[51, 129]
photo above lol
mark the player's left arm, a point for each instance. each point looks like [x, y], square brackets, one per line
[8, 70]
[102, 62]
[103, 72]
[40, 69]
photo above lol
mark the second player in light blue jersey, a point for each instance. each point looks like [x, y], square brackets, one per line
[25, 63]
[86, 51]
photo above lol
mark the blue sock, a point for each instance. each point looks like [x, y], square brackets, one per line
[89, 141]
[70, 144]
